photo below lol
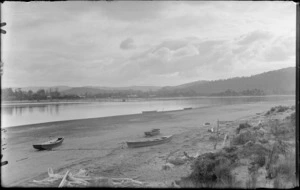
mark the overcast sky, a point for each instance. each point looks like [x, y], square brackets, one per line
[143, 43]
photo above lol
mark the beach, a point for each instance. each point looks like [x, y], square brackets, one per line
[98, 145]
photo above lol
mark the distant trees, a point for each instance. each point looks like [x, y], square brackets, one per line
[41, 94]
[18, 94]
[229, 92]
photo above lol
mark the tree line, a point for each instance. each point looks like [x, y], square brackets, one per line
[18, 94]
[229, 92]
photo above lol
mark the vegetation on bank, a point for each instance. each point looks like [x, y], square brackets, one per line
[18, 94]
[268, 152]
[9, 94]
[254, 92]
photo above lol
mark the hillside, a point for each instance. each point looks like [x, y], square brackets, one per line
[93, 90]
[280, 81]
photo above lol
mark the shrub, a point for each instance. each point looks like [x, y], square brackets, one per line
[282, 108]
[242, 126]
[255, 149]
[260, 160]
[292, 118]
[242, 138]
[230, 149]
[212, 168]
[277, 109]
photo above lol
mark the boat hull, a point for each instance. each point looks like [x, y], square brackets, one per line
[49, 146]
[152, 133]
[148, 143]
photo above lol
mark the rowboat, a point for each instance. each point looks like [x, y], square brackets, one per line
[49, 144]
[206, 124]
[153, 132]
[154, 111]
[160, 140]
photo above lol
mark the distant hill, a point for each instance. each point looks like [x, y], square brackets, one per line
[92, 90]
[137, 88]
[280, 81]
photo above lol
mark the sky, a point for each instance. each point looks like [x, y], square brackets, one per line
[152, 43]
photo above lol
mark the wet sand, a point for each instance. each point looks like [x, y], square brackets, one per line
[98, 145]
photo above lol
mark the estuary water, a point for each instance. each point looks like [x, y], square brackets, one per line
[31, 113]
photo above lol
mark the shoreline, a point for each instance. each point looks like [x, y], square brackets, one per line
[157, 112]
[70, 101]
[97, 144]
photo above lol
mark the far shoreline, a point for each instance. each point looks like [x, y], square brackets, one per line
[90, 100]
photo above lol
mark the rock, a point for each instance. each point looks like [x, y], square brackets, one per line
[177, 161]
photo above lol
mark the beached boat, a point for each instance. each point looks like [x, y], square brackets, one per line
[206, 124]
[151, 133]
[187, 108]
[154, 111]
[49, 144]
[160, 140]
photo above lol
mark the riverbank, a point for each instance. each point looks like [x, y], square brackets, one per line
[98, 145]
[91, 100]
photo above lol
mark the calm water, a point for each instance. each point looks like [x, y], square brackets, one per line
[21, 114]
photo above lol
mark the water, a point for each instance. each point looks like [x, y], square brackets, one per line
[22, 114]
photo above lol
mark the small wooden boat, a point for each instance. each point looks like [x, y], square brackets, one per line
[151, 133]
[49, 144]
[206, 124]
[187, 108]
[154, 111]
[160, 140]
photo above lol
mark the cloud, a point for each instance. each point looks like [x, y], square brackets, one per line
[254, 36]
[127, 44]
[280, 49]
[176, 41]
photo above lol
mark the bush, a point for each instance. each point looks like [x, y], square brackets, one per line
[230, 149]
[242, 138]
[282, 108]
[211, 168]
[279, 129]
[292, 118]
[277, 109]
[242, 126]
[255, 149]
[260, 160]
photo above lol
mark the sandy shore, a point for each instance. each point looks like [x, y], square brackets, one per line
[98, 145]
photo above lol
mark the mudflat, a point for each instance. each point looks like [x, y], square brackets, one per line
[98, 145]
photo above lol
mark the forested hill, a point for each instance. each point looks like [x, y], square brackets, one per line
[280, 81]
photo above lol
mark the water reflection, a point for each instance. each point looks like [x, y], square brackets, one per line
[20, 109]
[38, 113]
